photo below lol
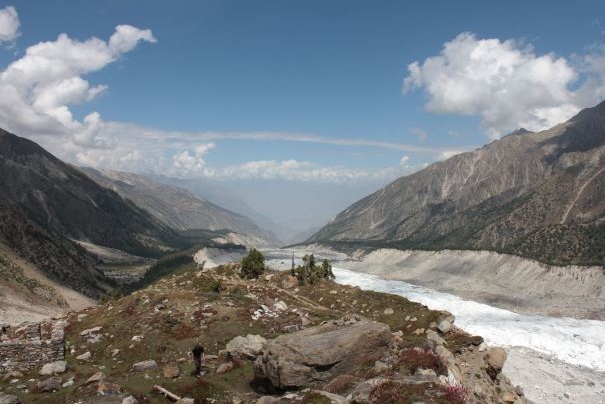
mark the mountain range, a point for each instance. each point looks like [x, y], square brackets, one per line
[539, 195]
[177, 207]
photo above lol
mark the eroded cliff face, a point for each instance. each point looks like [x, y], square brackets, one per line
[540, 195]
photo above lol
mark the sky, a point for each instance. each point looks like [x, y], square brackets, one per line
[323, 101]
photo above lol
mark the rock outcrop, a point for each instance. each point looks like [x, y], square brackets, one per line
[321, 353]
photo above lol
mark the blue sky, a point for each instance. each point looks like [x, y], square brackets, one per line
[198, 94]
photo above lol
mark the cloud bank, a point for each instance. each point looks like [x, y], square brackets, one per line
[506, 83]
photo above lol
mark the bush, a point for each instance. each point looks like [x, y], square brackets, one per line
[253, 264]
[311, 273]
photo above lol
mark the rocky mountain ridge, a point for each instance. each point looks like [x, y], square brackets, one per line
[178, 207]
[46, 205]
[539, 195]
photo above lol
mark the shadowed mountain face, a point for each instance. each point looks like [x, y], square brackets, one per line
[539, 195]
[178, 207]
[45, 204]
[60, 198]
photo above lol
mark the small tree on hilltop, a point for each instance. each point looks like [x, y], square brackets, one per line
[253, 264]
[311, 273]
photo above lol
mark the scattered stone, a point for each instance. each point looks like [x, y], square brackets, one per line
[114, 352]
[379, 367]
[137, 338]
[48, 385]
[53, 368]
[413, 319]
[89, 331]
[70, 382]
[15, 374]
[388, 311]
[334, 398]
[290, 328]
[434, 337]
[130, 400]
[224, 368]
[96, 377]
[362, 391]
[444, 326]
[144, 366]
[84, 357]
[108, 389]
[281, 306]
[269, 277]
[290, 282]
[509, 397]
[249, 346]
[268, 400]
[171, 370]
[8, 399]
[304, 321]
[185, 401]
[333, 292]
[419, 331]
[426, 372]
[495, 361]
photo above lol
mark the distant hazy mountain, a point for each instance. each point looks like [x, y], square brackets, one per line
[540, 195]
[46, 203]
[178, 207]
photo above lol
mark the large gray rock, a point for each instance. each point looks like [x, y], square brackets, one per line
[8, 399]
[249, 346]
[321, 353]
[53, 368]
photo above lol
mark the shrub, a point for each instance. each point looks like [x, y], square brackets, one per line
[456, 394]
[311, 273]
[419, 358]
[253, 264]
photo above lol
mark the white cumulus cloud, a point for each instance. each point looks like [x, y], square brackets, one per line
[504, 82]
[37, 90]
[9, 24]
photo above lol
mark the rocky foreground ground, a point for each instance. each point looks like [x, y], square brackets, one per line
[267, 341]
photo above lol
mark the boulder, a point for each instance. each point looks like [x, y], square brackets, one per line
[495, 359]
[290, 282]
[334, 398]
[249, 346]
[321, 353]
[444, 326]
[96, 377]
[84, 357]
[8, 399]
[130, 400]
[89, 331]
[53, 368]
[48, 385]
[145, 365]
[171, 370]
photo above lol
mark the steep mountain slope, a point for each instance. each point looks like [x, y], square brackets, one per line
[60, 198]
[540, 195]
[176, 206]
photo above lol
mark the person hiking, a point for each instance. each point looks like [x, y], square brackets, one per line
[198, 357]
